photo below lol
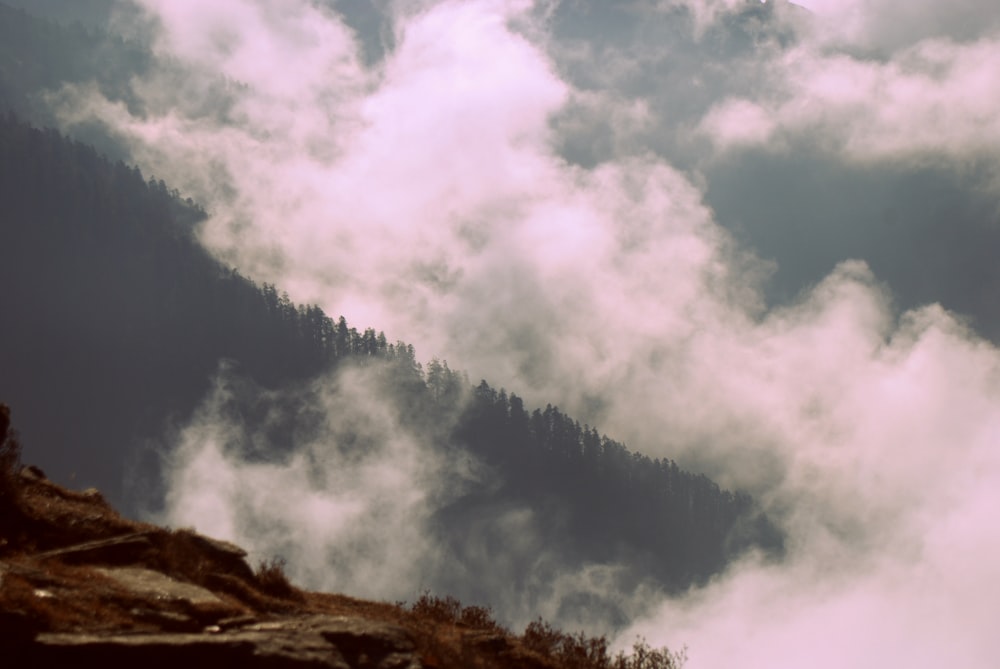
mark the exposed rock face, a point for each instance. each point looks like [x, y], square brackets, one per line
[151, 583]
[336, 642]
[80, 586]
[179, 624]
[128, 549]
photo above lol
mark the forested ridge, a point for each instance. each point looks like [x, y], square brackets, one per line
[116, 321]
[39, 57]
[111, 302]
[681, 524]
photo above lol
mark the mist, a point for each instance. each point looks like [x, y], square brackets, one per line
[714, 230]
[361, 497]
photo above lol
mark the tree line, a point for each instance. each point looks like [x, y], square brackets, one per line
[116, 319]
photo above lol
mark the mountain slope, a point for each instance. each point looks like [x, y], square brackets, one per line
[116, 324]
[82, 585]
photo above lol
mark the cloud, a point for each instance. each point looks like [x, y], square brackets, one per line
[339, 478]
[455, 194]
[907, 84]
[931, 101]
[433, 185]
[883, 26]
[346, 500]
[888, 434]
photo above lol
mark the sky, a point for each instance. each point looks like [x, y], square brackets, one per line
[757, 238]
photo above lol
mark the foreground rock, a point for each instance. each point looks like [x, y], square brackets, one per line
[80, 586]
[337, 642]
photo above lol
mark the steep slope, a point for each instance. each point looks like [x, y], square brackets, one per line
[112, 308]
[117, 321]
[80, 584]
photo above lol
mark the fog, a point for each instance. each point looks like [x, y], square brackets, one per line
[334, 477]
[731, 234]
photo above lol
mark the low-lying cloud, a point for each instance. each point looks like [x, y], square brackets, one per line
[333, 476]
[455, 194]
[889, 435]
[346, 498]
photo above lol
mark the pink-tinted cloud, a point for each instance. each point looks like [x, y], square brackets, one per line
[931, 102]
[425, 196]
[887, 432]
[878, 81]
[888, 25]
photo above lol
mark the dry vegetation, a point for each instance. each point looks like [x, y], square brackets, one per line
[540, 644]
[48, 584]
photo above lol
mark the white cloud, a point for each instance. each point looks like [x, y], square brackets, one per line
[736, 123]
[930, 102]
[426, 197]
[888, 437]
[887, 25]
[347, 501]
[355, 498]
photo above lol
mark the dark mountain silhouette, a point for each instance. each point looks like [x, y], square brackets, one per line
[116, 322]
[112, 306]
[116, 319]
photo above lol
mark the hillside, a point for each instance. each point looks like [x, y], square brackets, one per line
[121, 329]
[81, 584]
[113, 306]
[119, 322]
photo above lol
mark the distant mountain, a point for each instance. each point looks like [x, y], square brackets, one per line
[115, 321]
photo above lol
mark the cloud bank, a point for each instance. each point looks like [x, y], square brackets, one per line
[338, 477]
[349, 503]
[531, 190]
[891, 464]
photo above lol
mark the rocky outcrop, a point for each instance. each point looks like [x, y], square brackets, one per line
[336, 642]
[129, 594]
[80, 586]
[149, 583]
[179, 624]
[128, 549]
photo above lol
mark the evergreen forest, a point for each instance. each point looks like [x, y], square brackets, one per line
[115, 320]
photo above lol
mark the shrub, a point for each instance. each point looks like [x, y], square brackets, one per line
[271, 578]
[478, 617]
[645, 657]
[450, 611]
[583, 652]
[568, 649]
[439, 609]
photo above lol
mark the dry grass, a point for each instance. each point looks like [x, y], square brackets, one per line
[468, 636]
[62, 597]
[449, 610]
[271, 580]
[583, 652]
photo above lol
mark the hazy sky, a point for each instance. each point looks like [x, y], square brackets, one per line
[757, 239]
